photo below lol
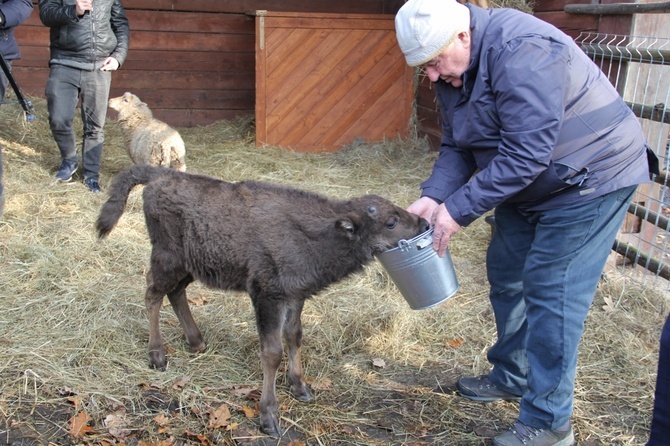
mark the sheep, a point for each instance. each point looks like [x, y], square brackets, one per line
[148, 140]
[280, 244]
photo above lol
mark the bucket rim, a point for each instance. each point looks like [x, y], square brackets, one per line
[399, 245]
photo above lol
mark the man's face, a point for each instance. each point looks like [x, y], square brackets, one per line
[451, 63]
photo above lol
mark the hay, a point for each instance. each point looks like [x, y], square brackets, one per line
[74, 329]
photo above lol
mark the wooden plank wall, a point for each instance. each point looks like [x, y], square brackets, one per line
[191, 61]
[325, 80]
[428, 117]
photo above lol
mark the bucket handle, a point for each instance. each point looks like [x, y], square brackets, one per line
[404, 245]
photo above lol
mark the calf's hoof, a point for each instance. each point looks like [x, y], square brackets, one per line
[270, 424]
[198, 347]
[302, 393]
[157, 359]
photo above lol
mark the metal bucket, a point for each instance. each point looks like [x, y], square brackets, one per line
[423, 278]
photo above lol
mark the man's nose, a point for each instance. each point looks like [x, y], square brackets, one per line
[432, 73]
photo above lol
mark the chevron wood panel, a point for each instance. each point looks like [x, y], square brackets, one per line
[325, 80]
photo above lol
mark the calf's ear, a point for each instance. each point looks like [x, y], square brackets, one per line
[346, 225]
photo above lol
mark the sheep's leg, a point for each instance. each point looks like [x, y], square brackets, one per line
[165, 154]
[270, 312]
[180, 306]
[293, 337]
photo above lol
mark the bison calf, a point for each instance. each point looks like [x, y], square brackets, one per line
[148, 140]
[280, 244]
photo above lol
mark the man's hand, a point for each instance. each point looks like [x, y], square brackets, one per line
[423, 207]
[444, 227]
[83, 6]
[110, 64]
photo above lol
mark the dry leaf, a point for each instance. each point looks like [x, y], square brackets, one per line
[161, 419]
[167, 442]
[201, 438]
[322, 384]
[242, 391]
[76, 401]
[79, 425]
[180, 383]
[454, 343]
[378, 363]
[248, 411]
[117, 425]
[219, 417]
[295, 443]
[254, 395]
[198, 299]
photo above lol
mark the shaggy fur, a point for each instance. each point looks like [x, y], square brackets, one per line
[148, 140]
[280, 244]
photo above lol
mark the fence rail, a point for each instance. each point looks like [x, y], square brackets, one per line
[639, 68]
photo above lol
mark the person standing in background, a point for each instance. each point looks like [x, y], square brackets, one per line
[12, 14]
[660, 421]
[88, 40]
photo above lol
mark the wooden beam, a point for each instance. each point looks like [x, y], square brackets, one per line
[642, 259]
[618, 8]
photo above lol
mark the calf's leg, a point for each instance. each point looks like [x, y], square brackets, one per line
[162, 281]
[153, 300]
[293, 337]
[270, 313]
[180, 306]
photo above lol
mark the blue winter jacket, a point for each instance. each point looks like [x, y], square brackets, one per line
[536, 122]
[14, 12]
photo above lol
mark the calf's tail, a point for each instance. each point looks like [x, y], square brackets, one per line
[123, 183]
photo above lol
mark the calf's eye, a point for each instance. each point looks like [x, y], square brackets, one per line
[391, 223]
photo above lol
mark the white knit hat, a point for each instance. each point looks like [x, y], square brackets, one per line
[424, 27]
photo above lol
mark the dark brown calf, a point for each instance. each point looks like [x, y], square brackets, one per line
[280, 244]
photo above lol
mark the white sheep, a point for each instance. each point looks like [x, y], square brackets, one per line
[148, 140]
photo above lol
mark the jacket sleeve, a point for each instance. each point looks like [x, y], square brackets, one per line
[452, 169]
[55, 13]
[529, 77]
[15, 12]
[121, 29]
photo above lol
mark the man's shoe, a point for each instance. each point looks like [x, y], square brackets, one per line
[522, 435]
[66, 170]
[480, 388]
[93, 185]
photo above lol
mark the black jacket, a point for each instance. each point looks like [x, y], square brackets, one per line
[14, 12]
[85, 42]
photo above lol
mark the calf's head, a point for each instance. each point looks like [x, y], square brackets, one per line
[379, 224]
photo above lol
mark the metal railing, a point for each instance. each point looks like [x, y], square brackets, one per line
[639, 68]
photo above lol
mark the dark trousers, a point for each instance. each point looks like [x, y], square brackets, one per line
[65, 87]
[660, 422]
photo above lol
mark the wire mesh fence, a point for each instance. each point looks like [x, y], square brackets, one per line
[639, 68]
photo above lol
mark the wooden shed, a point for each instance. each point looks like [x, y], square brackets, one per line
[196, 62]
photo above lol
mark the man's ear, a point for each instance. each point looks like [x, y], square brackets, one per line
[464, 38]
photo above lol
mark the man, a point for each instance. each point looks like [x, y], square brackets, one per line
[660, 421]
[532, 129]
[12, 14]
[89, 40]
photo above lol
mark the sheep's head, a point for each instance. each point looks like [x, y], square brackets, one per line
[128, 105]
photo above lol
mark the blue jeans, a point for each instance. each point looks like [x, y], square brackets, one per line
[543, 268]
[65, 87]
[660, 422]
